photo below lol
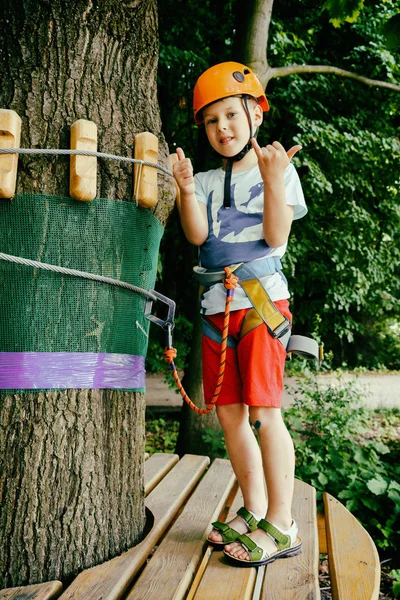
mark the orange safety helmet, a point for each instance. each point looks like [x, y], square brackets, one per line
[223, 80]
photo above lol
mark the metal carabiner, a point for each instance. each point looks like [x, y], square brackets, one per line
[167, 324]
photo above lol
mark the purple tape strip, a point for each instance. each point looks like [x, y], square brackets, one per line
[66, 370]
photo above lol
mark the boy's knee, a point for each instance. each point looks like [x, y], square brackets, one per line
[232, 415]
[262, 416]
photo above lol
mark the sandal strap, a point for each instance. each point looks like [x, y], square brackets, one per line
[255, 552]
[228, 533]
[249, 519]
[282, 540]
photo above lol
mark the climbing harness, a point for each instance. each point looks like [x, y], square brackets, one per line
[263, 311]
[263, 308]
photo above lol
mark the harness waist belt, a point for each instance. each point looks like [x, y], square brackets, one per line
[258, 268]
[264, 309]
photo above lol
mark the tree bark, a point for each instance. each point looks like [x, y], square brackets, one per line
[71, 461]
[193, 426]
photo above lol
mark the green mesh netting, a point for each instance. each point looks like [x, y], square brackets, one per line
[43, 311]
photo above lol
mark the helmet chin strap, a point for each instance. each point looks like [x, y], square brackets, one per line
[237, 157]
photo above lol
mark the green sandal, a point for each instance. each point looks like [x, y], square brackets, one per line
[229, 534]
[287, 543]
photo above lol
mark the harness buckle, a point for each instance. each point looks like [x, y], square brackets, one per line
[281, 329]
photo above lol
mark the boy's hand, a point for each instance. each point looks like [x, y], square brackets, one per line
[273, 158]
[183, 173]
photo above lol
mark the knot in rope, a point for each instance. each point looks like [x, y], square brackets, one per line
[231, 281]
[170, 355]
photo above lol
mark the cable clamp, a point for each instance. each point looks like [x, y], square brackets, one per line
[167, 324]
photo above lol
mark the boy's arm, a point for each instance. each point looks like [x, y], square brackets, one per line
[193, 213]
[278, 216]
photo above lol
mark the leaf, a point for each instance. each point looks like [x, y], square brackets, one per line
[391, 31]
[381, 448]
[371, 502]
[322, 478]
[394, 485]
[377, 486]
[396, 589]
[343, 10]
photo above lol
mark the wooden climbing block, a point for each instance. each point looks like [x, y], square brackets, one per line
[10, 137]
[145, 190]
[83, 169]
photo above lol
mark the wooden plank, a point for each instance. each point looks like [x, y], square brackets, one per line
[41, 591]
[296, 578]
[172, 568]
[354, 566]
[322, 543]
[222, 580]
[156, 467]
[110, 580]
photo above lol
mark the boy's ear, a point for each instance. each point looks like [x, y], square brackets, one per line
[258, 115]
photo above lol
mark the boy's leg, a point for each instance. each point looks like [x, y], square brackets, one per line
[245, 457]
[278, 460]
[241, 444]
[261, 362]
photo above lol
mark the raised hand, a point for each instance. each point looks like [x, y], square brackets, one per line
[183, 173]
[273, 158]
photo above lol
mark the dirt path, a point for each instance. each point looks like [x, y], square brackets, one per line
[382, 391]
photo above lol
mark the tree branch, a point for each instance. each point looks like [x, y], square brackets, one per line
[257, 22]
[273, 73]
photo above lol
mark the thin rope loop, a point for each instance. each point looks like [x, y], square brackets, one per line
[230, 283]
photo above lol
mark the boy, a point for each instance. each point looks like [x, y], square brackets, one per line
[243, 213]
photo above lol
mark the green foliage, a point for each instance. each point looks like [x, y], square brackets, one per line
[391, 31]
[216, 442]
[343, 10]
[342, 260]
[336, 452]
[395, 574]
[161, 435]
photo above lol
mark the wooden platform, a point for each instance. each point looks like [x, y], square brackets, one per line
[184, 497]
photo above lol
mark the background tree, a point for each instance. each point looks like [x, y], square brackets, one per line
[71, 461]
[342, 262]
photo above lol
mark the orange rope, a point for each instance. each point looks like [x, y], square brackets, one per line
[230, 283]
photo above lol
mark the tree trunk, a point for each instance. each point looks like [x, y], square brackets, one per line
[193, 426]
[71, 461]
[251, 38]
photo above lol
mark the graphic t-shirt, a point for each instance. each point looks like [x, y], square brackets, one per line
[236, 234]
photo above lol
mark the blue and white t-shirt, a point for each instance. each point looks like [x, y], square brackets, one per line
[236, 233]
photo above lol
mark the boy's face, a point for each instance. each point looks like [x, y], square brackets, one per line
[227, 126]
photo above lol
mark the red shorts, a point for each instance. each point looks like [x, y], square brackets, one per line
[253, 370]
